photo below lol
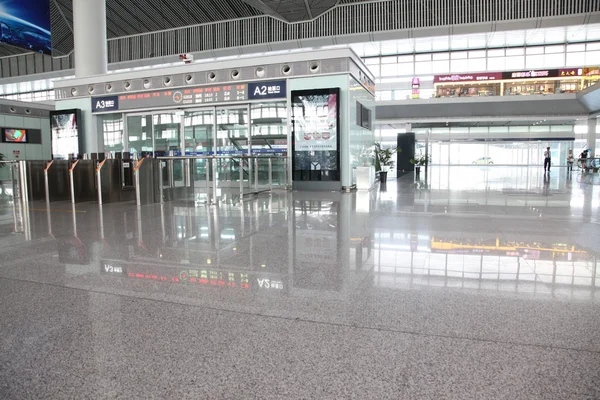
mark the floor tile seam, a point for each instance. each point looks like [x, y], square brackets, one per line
[333, 324]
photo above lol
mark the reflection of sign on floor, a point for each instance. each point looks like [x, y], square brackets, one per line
[313, 245]
[270, 284]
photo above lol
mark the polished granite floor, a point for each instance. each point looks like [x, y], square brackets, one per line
[481, 283]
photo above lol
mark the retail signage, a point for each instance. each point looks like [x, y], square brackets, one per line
[416, 84]
[194, 95]
[532, 74]
[588, 71]
[267, 90]
[110, 103]
[491, 76]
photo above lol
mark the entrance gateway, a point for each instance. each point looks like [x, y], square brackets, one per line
[202, 110]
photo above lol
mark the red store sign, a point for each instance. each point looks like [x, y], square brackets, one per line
[484, 77]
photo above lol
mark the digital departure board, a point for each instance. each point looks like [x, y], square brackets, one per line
[190, 96]
[171, 97]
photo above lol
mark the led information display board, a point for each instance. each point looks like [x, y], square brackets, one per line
[195, 95]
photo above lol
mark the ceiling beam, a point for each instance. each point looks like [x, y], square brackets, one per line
[62, 14]
[265, 9]
[308, 10]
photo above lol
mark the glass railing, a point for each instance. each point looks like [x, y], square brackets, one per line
[237, 177]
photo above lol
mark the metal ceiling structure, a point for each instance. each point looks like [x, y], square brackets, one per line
[131, 17]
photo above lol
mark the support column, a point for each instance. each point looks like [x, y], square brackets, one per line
[591, 136]
[89, 30]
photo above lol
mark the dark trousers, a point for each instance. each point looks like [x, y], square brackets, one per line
[547, 164]
[569, 166]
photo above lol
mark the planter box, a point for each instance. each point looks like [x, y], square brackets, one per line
[365, 177]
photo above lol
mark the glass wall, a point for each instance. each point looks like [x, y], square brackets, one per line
[497, 153]
[112, 127]
[395, 71]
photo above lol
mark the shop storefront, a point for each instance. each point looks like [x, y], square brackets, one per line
[516, 83]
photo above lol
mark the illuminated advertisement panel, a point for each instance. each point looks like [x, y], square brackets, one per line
[26, 24]
[65, 126]
[315, 119]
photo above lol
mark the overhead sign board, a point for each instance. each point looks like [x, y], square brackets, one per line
[102, 104]
[190, 96]
[266, 90]
[531, 74]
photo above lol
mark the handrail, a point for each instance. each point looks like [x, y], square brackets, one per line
[48, 165]
[225, 157]
[99, 167]
[73, 165]
[138, 165]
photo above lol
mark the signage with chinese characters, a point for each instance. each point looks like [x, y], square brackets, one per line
[101, 104]
[571, 72]
[111, 268]
[532, 74]
[188, 96]
[491, 76]
[16, 154]
[416, 84]
[267, 90]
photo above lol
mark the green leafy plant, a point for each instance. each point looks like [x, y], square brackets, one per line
[384, 157]
[2, 159]
[420, 160]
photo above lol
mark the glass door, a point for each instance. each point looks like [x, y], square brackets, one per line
[232, 139]
[269, 137]
[139, 134]
[199, 140]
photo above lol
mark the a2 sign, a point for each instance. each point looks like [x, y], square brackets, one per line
[256, 91]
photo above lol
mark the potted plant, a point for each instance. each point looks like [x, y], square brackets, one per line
[384, 160]
[420, 161]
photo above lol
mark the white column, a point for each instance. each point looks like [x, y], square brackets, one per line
[89, 30]
[591, 135]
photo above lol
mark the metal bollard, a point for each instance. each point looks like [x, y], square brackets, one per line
[23, 182]
[215, 177]
[71, 181]
[207, 174]
[270, 173]
[256, 175]
[99, 181]
[46, 184]
[15, 185]
[160, 181]
[241, 173]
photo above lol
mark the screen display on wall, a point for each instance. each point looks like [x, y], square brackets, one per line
[65, 125]
[14, 135]
[26, 24]
[315, 115]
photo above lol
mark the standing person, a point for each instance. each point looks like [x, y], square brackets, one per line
[570, 161]
[547, 161]
[583, 158]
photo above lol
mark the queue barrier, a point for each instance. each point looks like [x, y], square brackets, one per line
[211, 178]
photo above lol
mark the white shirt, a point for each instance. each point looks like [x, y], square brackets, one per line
[547, 154]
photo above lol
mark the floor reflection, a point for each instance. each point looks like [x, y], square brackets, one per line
[305, 244]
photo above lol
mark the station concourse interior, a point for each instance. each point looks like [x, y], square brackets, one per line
[196, 201]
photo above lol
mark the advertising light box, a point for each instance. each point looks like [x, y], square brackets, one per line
[315, 122]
